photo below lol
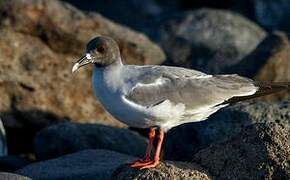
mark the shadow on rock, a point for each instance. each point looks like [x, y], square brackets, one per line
[21, 127]
[275, 47]
[65, 138]
[88, 164]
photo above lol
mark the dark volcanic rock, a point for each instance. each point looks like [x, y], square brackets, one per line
[89, 164]
[11, 176]
[260, 151]
[168, 171]
[39, 41]
[209, 40]
[182, 142]
[57, 140]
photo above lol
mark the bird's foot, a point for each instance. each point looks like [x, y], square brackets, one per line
[139, 161]
[145, 164]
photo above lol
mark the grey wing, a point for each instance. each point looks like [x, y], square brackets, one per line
[194, 90]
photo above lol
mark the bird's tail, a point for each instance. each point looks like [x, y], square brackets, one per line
[264, 88]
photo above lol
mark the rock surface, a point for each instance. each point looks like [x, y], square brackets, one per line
[182, 142]
[260, 151]
[40, 40]
[88, 164]
[11, 176]
[65, 138]
[167, 170]
[209, 40]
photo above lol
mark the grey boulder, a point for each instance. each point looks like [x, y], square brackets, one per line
[66, 138]
[88, 164]
[209, 40]
[260, 151]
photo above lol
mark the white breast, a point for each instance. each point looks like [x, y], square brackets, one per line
[108, 87]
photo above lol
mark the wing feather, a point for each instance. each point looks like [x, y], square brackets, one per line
[191, 88]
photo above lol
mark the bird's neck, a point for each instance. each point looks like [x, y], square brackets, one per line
[111, 75]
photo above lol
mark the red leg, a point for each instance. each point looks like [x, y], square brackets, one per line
[153, 163]
[146, 158]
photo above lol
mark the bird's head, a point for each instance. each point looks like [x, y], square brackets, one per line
[101, 51]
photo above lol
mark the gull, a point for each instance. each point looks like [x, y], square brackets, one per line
[161, 97]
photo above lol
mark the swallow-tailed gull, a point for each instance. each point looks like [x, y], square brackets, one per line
[161, 97]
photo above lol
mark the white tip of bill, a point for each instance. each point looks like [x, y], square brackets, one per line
[75, 67]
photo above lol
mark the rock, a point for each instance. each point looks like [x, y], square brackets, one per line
[167, 170]
[124, 12]
[274, 48]
[182, 142]
[209, 40]
[12, 163]
[11, 176]
[260, 151]
[88, 164]
[37, 49]
[65, 138]
[272, 15]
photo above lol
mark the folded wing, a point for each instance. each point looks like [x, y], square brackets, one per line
[194, 90]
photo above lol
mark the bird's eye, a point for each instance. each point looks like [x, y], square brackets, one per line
[100, 49]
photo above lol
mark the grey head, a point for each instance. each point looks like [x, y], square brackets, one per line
[101, 51]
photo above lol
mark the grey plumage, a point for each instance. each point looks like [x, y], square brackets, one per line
[192, 88]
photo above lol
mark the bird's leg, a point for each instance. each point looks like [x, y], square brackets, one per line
[150, 144]
[146, 158]
[156, 160]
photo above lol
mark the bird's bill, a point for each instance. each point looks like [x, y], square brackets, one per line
[84, 60]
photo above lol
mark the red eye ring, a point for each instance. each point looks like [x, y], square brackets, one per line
[100, 49]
